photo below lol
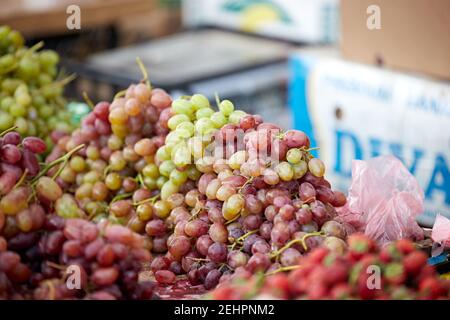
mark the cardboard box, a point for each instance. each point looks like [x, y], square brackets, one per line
[306, 21]
[354, 111]
[414, 35]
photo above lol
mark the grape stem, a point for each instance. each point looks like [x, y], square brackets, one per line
[51, 289]
[88, 100]
[121, 196]
[152, 200]
[120, 94]
[64, 159]
[294, 241]
[283, 269]
[8, 130]
[242, 238]
[144, 72]
[216, 96]
[22, 179]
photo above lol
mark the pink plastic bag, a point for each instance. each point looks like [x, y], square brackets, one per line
[441, 231]
[384, 200]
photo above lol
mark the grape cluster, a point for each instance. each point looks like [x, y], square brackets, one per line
[30, 92]
[107, 258]
[237, 192]
[325, 274]
[13, 273]
[119, 140]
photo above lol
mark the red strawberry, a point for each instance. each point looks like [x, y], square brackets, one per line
[336, 273]
[389, 253]
[402, 293]
[317, 291]
[431, 288]
[360, 244]
[318, 255]
[277, 285]
[405, 246]
[366, 292]
[414, 262]
[394, 273]
[341, 291]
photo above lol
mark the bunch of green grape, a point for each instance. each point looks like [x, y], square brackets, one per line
[193, 125]
[31, 92]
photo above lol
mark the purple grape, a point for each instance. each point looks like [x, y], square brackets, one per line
[34, 144]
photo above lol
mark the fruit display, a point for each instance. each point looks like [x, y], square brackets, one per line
[152, 192]
[31, 90]
[397, 271]
[238, 192]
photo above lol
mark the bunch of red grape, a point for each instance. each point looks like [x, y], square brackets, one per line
[257, 199]
[105, 259]
[13, 273]
[397, 271]
[105, 177]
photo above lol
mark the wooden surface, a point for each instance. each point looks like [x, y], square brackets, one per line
[48, 17]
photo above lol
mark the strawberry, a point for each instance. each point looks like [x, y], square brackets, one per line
[365, 292]
[318, 255]
[402, 293]
[394, 273]
[414, 262]
[336, 273]
[341, 291]
[405, 246]
[317, 291]
[359, 245]
[431, 288]
[277, 285]
[390, 253]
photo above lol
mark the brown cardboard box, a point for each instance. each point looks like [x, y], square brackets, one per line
[414, 34]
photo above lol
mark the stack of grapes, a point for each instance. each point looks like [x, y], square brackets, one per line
[103, 260]
[13, 273]
[30, 93]
[239, 193]
[114, 174]
[25, 193]
[397, 271]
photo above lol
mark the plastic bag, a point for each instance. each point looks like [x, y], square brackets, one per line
[441, 231]
[384, 200]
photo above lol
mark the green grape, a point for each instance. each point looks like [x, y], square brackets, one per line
[226, 107]
[204, 113]
[162, 154]
[177, 119]
[28, 67]
[204, 125]
[316, 167]
[181, 155]
[294, 156]
[16, 38]
[182, 106]
[193, 173]
[236, 116]
[166, 168]
[160, 181]
[151, 170]
[17, 110]
[167, 189]
[233, 206]
[218, 119]
[6, 61]
[237, 159]
[185, 129]
[285, 171]
[150, 183]
[45, 111]
[6, 103]
[22, 126]
[199, 101]
[178, 177]
[300, 169]
[44, 79]
[48, 58]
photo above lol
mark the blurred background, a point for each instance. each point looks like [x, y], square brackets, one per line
[362, 78]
